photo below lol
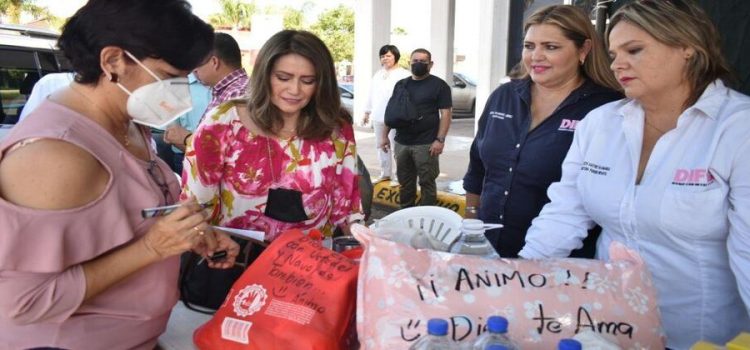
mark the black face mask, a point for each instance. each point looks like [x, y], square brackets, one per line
[285, 205]
[419, 68]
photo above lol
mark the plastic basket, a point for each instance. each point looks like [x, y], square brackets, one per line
[443, 225]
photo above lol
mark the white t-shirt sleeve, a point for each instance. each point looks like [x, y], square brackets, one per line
[43, 88]
[368, 104]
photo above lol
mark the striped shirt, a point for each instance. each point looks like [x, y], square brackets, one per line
[232, 86]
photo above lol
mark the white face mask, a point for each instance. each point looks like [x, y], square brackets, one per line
[159, 103]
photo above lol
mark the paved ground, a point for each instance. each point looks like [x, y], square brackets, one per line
[453, 161]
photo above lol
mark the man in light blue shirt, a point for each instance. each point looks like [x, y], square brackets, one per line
[201, 96]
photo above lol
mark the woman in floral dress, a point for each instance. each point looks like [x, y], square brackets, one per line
[285, 158]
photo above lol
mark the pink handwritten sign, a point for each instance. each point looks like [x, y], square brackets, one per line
[400, 288]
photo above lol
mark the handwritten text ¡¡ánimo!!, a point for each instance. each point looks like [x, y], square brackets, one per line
[578, 318]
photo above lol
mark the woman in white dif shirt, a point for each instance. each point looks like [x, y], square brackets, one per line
[666, 171]
[381, 90]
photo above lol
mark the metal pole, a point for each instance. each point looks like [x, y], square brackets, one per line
[602, 12]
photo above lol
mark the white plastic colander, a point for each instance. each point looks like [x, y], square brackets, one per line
[441, 224]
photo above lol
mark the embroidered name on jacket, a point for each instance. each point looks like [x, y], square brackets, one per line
[568, 125]
[692, 177]
[595, 169]
[500, 115]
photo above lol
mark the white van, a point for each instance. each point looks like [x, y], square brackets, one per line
[26, 54]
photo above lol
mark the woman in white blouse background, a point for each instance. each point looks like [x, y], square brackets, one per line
[665, 171]
[381, 90]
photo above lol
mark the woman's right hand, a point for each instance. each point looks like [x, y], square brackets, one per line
[179, 231]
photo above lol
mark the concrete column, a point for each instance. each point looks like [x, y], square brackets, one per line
[442, 22]
[493, 29]
[372, 29]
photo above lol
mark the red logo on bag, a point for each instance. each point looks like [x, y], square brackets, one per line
[309, 294]
[249, 300]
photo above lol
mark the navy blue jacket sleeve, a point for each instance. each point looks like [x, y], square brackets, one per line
[474, 178]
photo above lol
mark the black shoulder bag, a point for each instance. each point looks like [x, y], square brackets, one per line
[401, 113]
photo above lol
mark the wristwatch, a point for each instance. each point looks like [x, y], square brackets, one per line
[440, 139]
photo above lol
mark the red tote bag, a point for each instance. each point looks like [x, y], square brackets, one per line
[296, 295]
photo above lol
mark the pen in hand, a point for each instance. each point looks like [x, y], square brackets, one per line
[218, 256]
[167, 209]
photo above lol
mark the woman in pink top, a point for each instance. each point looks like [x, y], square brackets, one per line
[80, 268]
[286, 157]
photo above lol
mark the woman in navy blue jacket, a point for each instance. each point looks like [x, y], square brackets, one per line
[527, 125]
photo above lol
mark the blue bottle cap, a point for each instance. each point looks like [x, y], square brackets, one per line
[497, 324]
[437, 326]
[569, 344]
[495, 347]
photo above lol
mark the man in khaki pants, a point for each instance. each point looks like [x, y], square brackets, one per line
[419, 146]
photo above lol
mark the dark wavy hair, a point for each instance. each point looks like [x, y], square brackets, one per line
[323, 114]
[163, 29]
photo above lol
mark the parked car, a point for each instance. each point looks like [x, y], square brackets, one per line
[346, 90]
[464, 91]
[26, 54]
[347, 99]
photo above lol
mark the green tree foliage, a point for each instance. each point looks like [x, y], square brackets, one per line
[336, 28]
[13, 9]
[293, 18]
[401, 31]
[235, 14]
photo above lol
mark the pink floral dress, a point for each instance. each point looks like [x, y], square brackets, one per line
[230, 166]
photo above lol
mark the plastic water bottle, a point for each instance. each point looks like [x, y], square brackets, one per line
[495, 347]
[496, 334]
[473, 240]
[569, 344]
[436, 338]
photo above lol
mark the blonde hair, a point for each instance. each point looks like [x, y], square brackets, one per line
[577, 27]
[681, 24]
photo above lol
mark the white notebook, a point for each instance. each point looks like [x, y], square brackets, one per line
[251, 234]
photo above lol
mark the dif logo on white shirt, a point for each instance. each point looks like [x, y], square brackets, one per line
[692, 177]
[568, 125]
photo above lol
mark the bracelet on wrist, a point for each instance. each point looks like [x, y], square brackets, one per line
[470, 209]
[185, 140]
